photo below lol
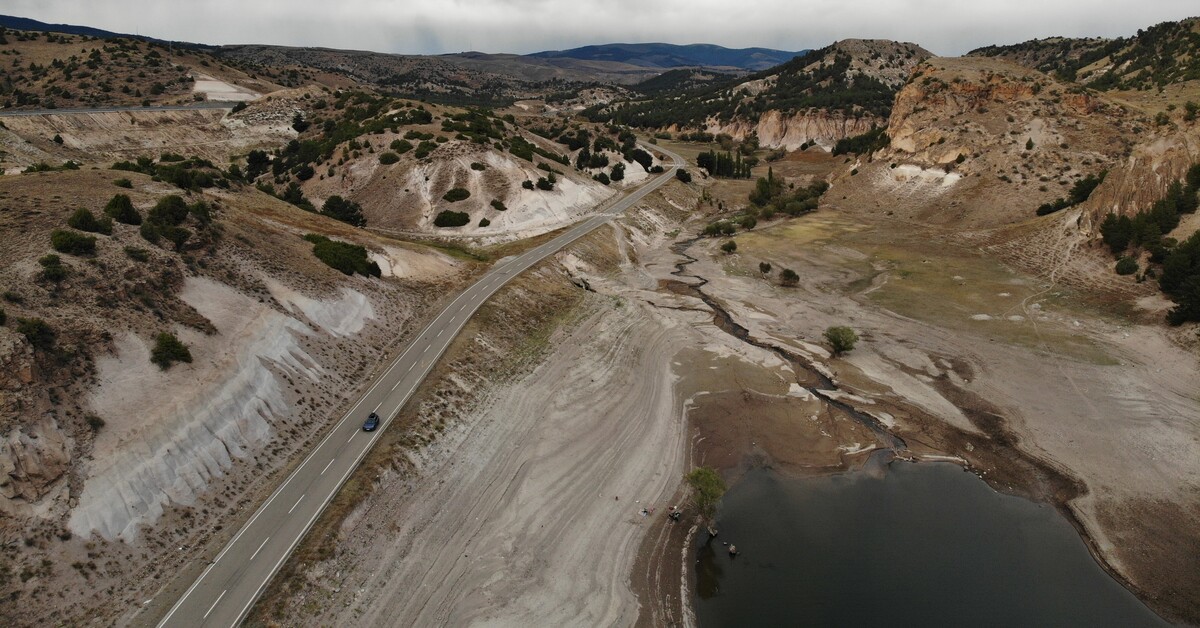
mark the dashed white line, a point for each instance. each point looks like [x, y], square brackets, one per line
[214, 604]
[440, 332]
[426, 348]
[410, 367]
[352, 436]
[328, 465]
[259, 548]
[295, 504]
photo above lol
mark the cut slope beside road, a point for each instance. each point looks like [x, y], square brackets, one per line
[231, 583]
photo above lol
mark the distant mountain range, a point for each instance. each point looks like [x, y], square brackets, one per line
[668, 56]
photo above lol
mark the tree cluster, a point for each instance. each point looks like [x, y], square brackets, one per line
[724, 164]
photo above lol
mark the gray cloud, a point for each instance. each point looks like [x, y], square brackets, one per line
[946, 27]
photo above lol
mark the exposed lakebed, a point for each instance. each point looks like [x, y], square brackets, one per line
[905, 544]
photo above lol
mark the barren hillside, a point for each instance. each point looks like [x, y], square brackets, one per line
[110, 459]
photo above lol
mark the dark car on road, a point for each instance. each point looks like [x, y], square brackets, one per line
[371, 423]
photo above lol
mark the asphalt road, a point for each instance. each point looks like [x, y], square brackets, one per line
[61, 112]
[231, 583]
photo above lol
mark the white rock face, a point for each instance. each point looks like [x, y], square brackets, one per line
[169, 433]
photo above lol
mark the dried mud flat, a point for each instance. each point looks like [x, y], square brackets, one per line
[527, 508]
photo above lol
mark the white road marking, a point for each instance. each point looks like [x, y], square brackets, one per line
[214, 604]
[440, 332]
[410, 367]
[352, 436]
[328, 465]
[259, 548]
[426, 348]
[295, 504]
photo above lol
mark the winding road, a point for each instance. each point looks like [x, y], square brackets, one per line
[233, 581]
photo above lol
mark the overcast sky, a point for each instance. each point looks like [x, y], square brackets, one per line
[946, 27]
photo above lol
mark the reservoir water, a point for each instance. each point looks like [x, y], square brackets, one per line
[911, 545]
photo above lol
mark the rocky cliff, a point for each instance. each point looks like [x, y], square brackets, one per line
[776, 129]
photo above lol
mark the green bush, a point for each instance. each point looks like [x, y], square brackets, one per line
[389, 158]
[3, 316]
[729, 246]
[84, 220]
[1126, 266]
[842, 339]
[52, 268]
[169, 210]
[484, 222]
[455, 195]
[121, 209]
[449, 218]
[169, 350]
[37, 331]
[475, 165]
[342, 256]
[764, 268]
[788, 277]
[123, 183]
[136, 254]
[498, 205]
[344, 210]
[683, 175]
[401, 146]
[72, 243]
[150, 233]
[708, 488]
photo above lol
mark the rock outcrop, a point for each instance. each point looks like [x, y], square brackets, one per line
[32, 460]
[778, 130]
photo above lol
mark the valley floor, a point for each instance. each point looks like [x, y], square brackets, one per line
[529, 508]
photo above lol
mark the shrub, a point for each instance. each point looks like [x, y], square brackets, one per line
[84, 220]
[3, 316]
[121, 209]
[344, 210]
[788, 277]
[150, 233]
[400, 147]
[475, 165]
[484, 222]
[449, 218]
[95, 422]
[343, 256]
[136, 254]
[455, 195]
[389, 158]
[842, 339]
[1126, 266]
[683, 175]
[123, 183]
[169, 210]
[52, 268]
[169, 350]
[498, 205]
[618, 172]
[72, 243]
[37, 331]
[708, 488]
[729, 246]
[12, 297]
[764, 268]
[546, 184]
[527, 184]
[602, 178]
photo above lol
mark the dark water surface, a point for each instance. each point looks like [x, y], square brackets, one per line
[916, 545]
